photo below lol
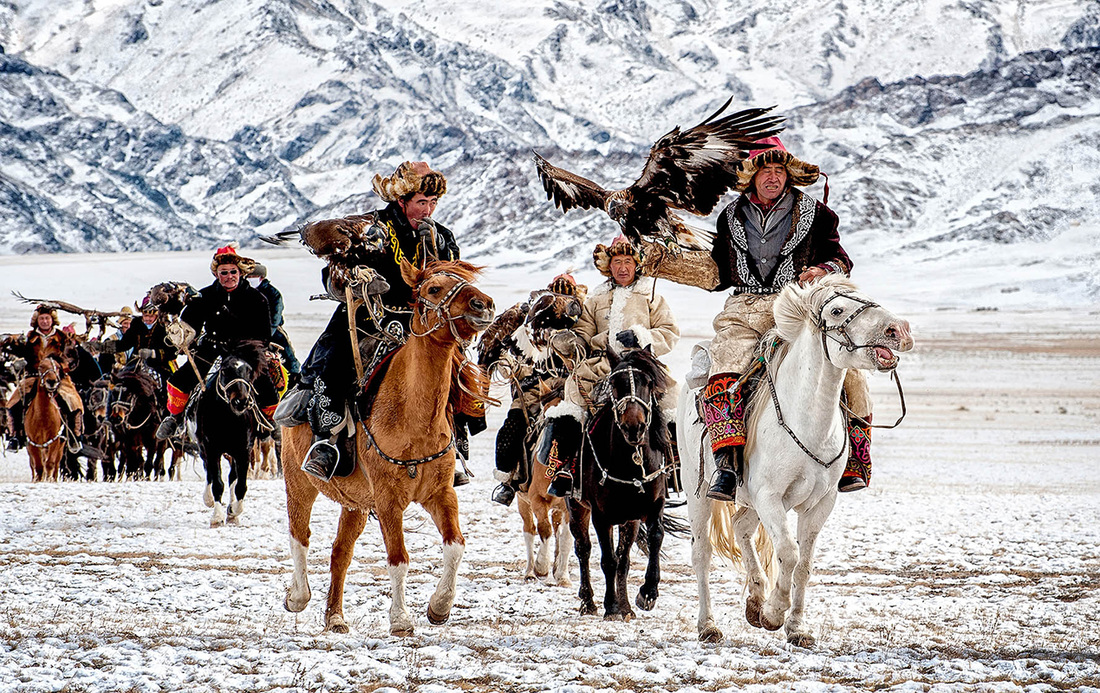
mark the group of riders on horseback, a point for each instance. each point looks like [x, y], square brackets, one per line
[554, 355]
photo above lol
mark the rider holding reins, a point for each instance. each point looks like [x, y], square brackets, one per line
[624, 312]
[770, 236]
[226, 312]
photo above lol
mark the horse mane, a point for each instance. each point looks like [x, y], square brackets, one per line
[138, 381]
[251, 351]
[798, 305]
[460, 268]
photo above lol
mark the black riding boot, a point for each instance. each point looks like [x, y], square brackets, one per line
[16, 434]
[729, 461]
[167, 427]
[560, 447]
[321, 460]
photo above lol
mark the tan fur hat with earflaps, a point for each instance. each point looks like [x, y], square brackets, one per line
[409, 178]
[45, 308]
[602, 254]
[798, 172]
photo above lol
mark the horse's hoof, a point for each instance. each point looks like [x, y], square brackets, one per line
[614, 617]
[208, 497]
[753, 612]
[294, 606]
[437, 619]
[588, 609]
[565, 582]
[801, 640]
[710, 634]
[337, 625]
[217, 522]
[645, 603]
[770, 625]
[529, 578]
[402, 632]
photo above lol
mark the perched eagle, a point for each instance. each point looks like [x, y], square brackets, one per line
[347, 245]
[689, 171]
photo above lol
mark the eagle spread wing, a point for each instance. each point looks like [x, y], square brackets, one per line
[568, 190]
[65, 306]
[691, 170]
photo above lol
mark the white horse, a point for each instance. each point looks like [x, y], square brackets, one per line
[823, 329]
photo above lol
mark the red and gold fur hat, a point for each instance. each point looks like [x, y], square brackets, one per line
[602, 254]
[227, 255]
[798, 172]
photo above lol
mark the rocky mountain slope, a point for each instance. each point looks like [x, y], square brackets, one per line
[947, 128]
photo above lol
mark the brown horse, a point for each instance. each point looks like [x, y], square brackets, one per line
[545, 516]
[405, 451]
[44, 423]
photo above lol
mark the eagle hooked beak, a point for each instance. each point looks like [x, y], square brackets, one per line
[617, 209]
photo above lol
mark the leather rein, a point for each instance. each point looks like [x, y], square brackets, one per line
[845, 340]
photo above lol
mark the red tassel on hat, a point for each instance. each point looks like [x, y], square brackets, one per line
[825, 201]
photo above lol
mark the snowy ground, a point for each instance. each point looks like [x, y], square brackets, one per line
[972, 563]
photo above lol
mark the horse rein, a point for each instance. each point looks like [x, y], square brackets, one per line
[849, 344]
[250, 397]
[52, 392]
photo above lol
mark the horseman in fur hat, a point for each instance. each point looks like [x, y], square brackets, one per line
[403, 230]
[146, 338]
[771, 235]
[226, 312]
[625, 312]
[47, 339]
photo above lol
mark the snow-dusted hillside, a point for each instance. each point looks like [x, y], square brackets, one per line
[947, 128]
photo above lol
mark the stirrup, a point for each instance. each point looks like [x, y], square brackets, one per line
[167, 427]
[321, 460]
[503, 494]
[724, 487]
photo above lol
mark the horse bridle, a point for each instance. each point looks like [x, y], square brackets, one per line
[850, 345]
[54, 368]
[440, 308]
[618, 405]
[841, 329]
[221, 388]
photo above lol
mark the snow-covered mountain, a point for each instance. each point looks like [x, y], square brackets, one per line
[953, 131]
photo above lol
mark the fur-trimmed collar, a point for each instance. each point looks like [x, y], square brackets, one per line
[641, 285]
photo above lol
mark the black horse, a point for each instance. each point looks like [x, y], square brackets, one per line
[227, 418]
[622, 481]
[136, 410]
[97, 425]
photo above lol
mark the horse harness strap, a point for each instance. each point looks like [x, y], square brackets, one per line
[791, 433]
[410, 465]
[441, 306]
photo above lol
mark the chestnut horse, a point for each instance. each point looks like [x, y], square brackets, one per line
[405, 451]
[44, 423]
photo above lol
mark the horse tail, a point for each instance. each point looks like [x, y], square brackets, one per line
[723, 543]
[721, 532]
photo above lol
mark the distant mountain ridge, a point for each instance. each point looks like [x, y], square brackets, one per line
[155, 125]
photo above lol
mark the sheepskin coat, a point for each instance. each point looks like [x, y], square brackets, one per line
[609, 310]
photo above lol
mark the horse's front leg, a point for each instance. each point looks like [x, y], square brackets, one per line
[443, 507]
[615, 608]
[655, 531]
[238, 482]
[744, 524]
[563, 545]
[351, 526]
[579, 516]
[530, 537]
[300, 497]
[212, 496]
[774, 519]
[810, 523]
[541, 514]
[391, 522]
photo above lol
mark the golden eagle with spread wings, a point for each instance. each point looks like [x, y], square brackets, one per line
[686, 170]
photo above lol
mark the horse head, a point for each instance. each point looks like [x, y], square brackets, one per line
[49, 374]
[134, 399]
[633, 389]
[444, 295]
[855, 331]
[239, 370]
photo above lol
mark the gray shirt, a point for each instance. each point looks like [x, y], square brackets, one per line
[765, 233]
